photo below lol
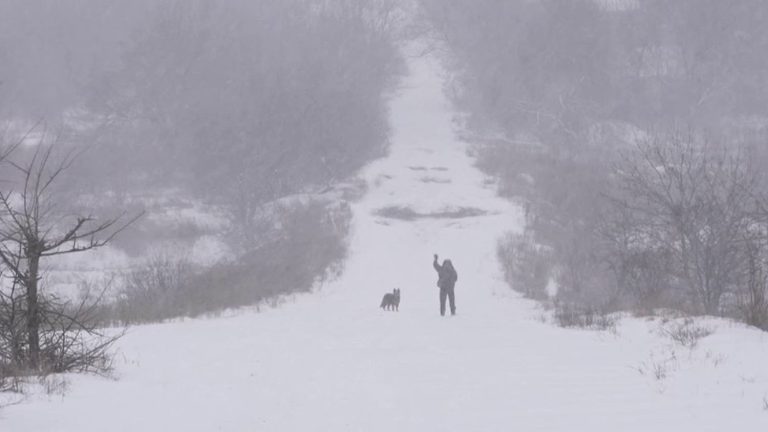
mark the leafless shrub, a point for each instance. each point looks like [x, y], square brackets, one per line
[572, 315]
[313, 235]
[658, 369]
[717, 359]
[70, 338]
[686, 333]
[13, 328]
[527, 266]
[54, 384]
[154, 290]
[307, 247]
[10, 381]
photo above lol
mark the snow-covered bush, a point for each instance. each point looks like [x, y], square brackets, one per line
[527, 266]
[306, 247]
[567, 314]
[686, 332]
[153, 290]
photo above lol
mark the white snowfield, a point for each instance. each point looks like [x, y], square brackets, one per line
[334, 361]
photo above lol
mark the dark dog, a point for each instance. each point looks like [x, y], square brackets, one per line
[391, 301]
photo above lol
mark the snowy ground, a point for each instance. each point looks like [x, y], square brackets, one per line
[333, 361]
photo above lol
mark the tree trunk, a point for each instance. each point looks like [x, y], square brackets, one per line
[33, 313]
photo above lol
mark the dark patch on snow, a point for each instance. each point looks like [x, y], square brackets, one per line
[407, 213]
[434, 180]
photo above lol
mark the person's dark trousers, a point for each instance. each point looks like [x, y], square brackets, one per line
[447, 292]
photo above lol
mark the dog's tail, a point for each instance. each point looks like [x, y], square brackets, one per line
[383, 302]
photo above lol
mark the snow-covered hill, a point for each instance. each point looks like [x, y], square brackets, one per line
[333, 361]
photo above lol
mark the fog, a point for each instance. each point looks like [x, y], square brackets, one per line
[209, 143]
[166, 159]
[613, 123]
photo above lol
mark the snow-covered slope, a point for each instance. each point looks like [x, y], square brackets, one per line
[333, 361]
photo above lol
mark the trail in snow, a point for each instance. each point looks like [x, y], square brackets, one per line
[333, 361]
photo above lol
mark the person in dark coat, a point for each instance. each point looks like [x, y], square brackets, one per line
[446, 281]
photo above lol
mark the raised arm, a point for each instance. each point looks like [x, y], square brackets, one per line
[436, 265]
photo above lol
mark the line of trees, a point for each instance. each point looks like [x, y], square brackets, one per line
[306, 250]
[237, 104]
[233, 102]
[623, 209]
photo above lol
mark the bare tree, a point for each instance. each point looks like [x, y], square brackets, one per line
[694, 203]
[753, 297]
[32, 229]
